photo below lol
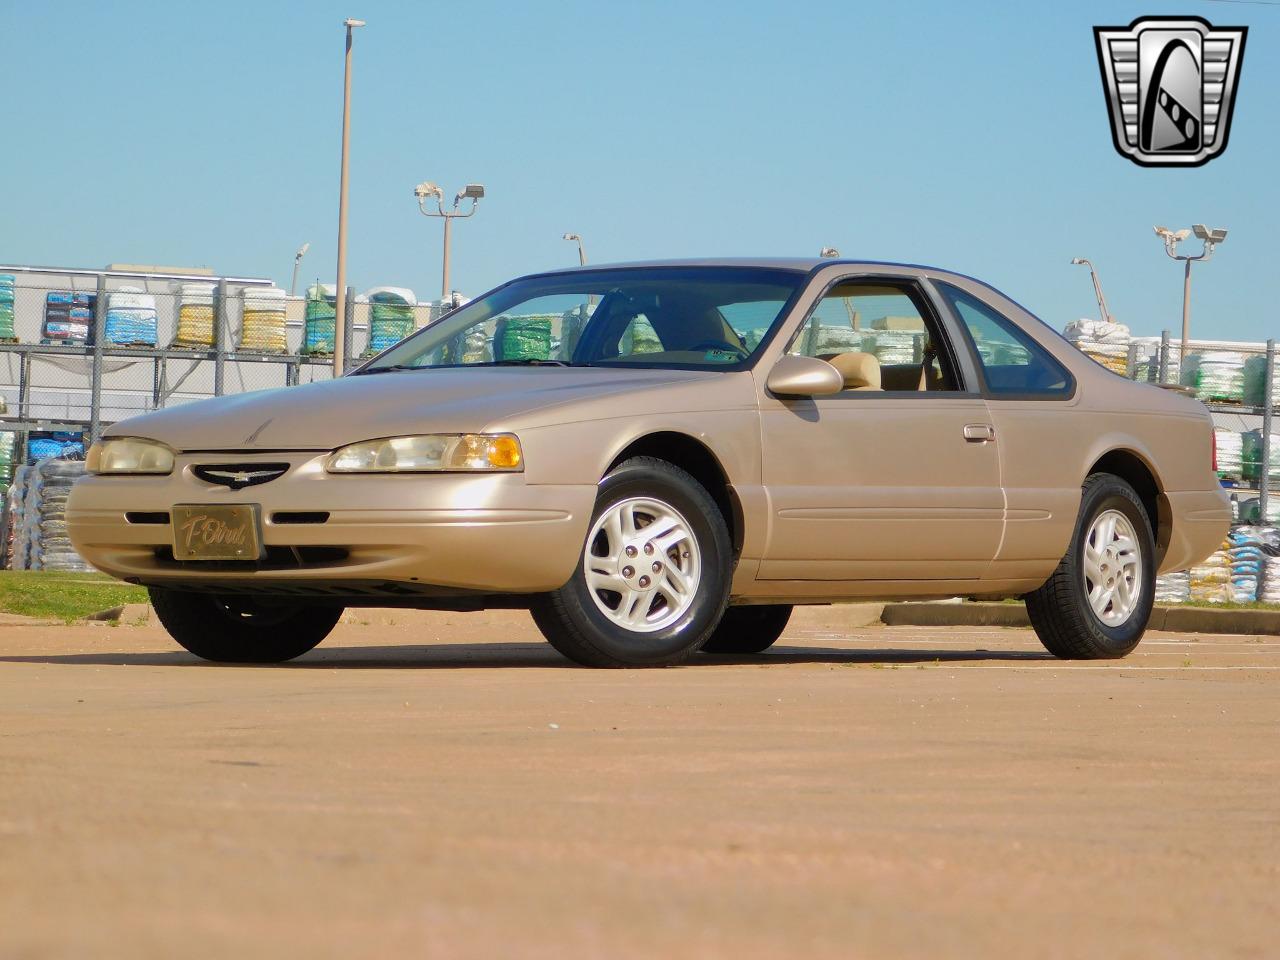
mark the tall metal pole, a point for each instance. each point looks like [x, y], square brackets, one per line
[1268, 401]
[1186, 310]
[444, 273]
[293, 284]
[95, 373]
[339, 345]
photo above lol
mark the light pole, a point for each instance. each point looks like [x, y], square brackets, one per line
[582, 254]
[297, 262]
[1210, 238]
[472, 191]
[1103, 312]
[340, 307]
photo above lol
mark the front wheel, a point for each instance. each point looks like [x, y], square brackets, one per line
[1098, 601]
[653, 578]
[239, 629]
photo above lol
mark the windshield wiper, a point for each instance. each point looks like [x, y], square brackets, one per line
[522, 362]
[391, 368]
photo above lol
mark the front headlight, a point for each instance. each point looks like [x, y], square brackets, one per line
[432, 453]
[129, 455]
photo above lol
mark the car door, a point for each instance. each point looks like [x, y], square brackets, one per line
[1033, 404]
[893, 484]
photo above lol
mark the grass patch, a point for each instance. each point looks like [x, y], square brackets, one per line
[62, 595]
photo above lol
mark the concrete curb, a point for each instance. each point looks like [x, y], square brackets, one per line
[1172, 619]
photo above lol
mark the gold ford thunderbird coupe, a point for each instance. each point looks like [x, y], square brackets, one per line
[661, 458]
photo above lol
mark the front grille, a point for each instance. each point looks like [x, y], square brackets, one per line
[237, 476]
[147, 516]
[300, 516]
[277, 558]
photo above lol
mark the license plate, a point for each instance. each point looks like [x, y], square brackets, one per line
[216, 532]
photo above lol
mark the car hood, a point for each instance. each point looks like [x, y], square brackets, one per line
[326, 415]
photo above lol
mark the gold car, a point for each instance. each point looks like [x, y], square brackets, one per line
[662, 458]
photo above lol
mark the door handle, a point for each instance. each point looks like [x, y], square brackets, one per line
[979, 432]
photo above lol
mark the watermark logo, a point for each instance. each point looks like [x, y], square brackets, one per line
[1170, 84]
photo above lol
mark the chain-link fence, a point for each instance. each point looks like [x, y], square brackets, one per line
[81, 349]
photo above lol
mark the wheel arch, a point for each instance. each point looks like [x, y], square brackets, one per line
[1137, 471]
[699, 461]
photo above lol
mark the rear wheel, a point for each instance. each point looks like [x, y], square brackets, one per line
[744, 630]
[239, 629]
[1098, 601]
[654, 575]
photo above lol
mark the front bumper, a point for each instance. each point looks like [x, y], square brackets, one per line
[381, 535]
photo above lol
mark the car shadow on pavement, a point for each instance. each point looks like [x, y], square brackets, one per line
[535, 654]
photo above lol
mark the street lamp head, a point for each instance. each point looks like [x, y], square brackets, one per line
[427, 189]
[472, 191]
[349, 23]
[829, 253]
[572, 236]
[1209, 235]
[302, 251]
[1078, 261]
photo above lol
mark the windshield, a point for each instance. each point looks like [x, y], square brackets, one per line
[677, 317]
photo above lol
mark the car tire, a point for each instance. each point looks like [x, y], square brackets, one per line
[238, 630]
[671, 586]
[1097, 603]
[746, 630]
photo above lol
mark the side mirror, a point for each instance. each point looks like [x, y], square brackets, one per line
[803, 377]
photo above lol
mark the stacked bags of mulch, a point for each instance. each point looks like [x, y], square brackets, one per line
[319, 321]
[1216, 375]
[1230, 453]
[1173, 587]
[1104, 340]
[1211, 580]
[571, 324]
[8, 450]
[131, 318]
[895, 341]
[6, 308]
[1255, 381]
[1248, 558]
[262, 322]
[821, 340]
[56, 444]
[390, 316]
[1251, 466]
[45, 516]
[18, 552]
[1146, 364]
[195, 315]
[68, 316]
[526, 338]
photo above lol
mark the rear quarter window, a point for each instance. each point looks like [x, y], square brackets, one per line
[1012, 362]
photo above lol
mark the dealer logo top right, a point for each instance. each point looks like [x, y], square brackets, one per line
[1170, 84]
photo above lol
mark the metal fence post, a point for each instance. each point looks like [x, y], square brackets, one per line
[95, 372]
[24, 385]
[219, 354]
[1268, 401]
[348, 328]
[1164, 356]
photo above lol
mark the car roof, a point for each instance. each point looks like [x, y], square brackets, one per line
[798, 264]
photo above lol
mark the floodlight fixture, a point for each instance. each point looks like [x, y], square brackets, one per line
[473, 192]
[829, 253]
[1210, 237]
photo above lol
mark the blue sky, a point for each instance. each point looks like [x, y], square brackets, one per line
[972, 136]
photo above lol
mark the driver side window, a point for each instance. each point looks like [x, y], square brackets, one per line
[877, 328]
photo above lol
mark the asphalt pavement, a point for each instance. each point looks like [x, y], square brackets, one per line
[445, 785]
